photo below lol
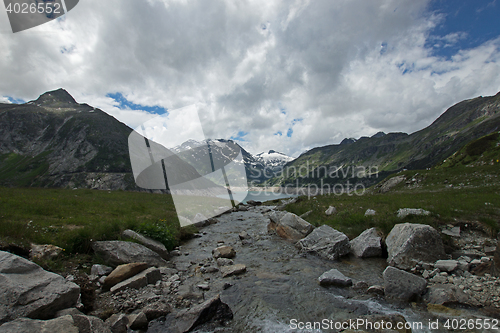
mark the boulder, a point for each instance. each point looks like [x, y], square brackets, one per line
[100, 270]
[334, 278]
[43, 252]
[408, 243]
[293, 227]
[26, 290]
[274, 218]
[404, 212]
[224, 262]
[118, 323]
[156, 310]
[116, 253]
[85, 324]
[138, 321]
[331, 210]
[370, 212]
[151, 244]
[446, 265]
[233, 270]
[213, 310]
[224, 251]
[402, 285]
[325, 242]
[149, 276]
[367, 244]
[63, 324]
[123, 272]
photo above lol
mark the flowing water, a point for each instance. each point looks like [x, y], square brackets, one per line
[281, 284]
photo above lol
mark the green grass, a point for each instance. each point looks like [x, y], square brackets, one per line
[72, 219]
[474, 195]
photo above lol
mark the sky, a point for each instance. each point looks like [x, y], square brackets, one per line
[287, 75]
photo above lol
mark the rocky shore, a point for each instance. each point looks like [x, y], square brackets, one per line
[253, 263]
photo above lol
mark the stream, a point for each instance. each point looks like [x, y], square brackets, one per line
[280, 284]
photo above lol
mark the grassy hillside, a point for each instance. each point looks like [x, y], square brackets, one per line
[72, 218]
[463, 189]
[461, 123]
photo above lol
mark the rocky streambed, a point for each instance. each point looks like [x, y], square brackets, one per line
[239, 275]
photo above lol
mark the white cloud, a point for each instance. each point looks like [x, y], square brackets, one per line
[347, 68]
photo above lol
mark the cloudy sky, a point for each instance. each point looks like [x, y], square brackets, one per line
[287, 75]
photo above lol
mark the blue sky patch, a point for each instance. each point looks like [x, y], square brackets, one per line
[125, 104]
[15, 100]
[240, 136]
[467, 24]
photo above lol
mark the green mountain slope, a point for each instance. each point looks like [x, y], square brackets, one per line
[55, 142]
[357, 161]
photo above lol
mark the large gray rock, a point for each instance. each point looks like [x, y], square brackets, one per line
[151, 244]
[292, 227]
[233, 270]
[334, 278]
[331, 210]
[367, 244]
[325, 242]
[123, 272]
[85, 324]
[402, 285]
[26, 290]
[116, 253]
[446, 265]
[149, 276]
[404, 212]
[63, 324]
[213, 310]
[408, 243]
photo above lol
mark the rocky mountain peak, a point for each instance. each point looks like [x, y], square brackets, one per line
[378, 135]
[347, 141]
[56, 97]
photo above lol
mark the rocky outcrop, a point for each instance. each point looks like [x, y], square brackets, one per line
[151, 244]
[290, 226]
[367, 244]
[408, 243]
[116, 253]
[334, 278]
[26, 290]
[402, 285]
[325, 242]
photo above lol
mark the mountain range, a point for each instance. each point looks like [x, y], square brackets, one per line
[54, 141]
[370, 159]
